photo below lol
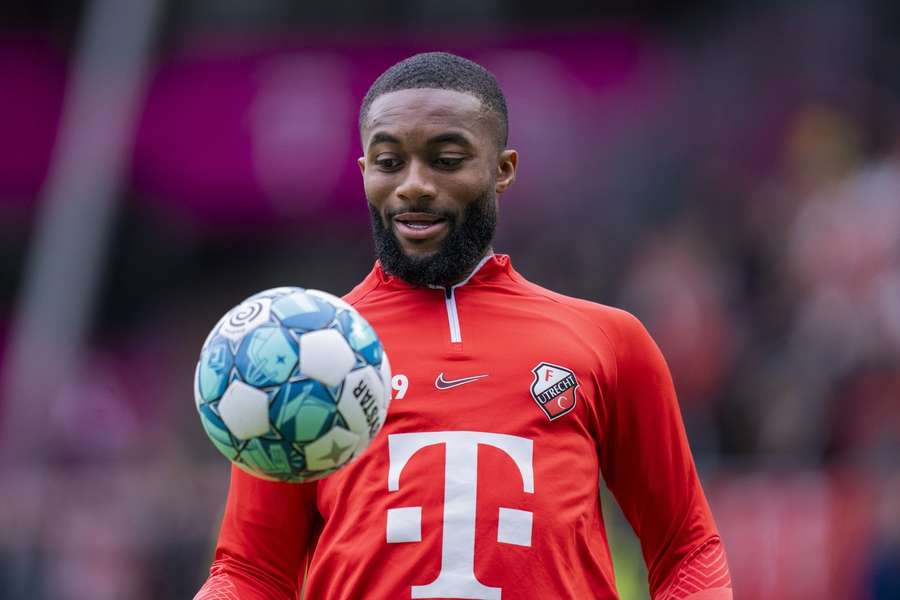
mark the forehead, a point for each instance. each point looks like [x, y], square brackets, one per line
[425, 111]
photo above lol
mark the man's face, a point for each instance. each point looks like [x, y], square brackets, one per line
[432, 170]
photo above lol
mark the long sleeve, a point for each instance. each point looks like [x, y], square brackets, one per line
[647, 464]
[264, 542]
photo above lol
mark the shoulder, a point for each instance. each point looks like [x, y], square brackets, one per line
[616, 324]
[613, 332]
[358, 294]
[364, 288]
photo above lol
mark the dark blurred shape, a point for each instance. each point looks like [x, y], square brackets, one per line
[52, 15]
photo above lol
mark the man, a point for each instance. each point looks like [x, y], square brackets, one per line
[510, 402]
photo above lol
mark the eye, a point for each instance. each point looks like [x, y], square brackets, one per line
[449, 162]
[388, 163]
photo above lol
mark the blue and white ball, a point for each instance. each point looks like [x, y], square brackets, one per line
[292, 384]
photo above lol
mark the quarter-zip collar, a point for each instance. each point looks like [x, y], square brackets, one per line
[490, 268]
[450, 301]
[448, 290]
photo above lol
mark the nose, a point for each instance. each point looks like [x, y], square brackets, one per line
[417, 185]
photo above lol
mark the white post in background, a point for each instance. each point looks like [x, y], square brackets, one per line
[101, 106]
[93, 148]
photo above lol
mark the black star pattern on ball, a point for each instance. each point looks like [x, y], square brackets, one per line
[336, 452]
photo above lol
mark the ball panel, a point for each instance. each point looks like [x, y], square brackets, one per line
[245, 410]
[214, 369]
[386, 376]
[276, 459]
[361, 336]
[312, 420]
[331, 450]
[301, 311]
[217, 432]
[267, 356]
[331, 299]
[198, 399]
[325, 356]
[245, 317]
[302, 411]
[362, 402]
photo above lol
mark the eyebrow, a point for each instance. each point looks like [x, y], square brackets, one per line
[382, 137]
[450, 138]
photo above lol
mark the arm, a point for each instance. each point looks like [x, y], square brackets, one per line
[264, 542]
[648, 466]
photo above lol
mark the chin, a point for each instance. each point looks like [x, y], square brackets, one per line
[421, 250]
[420, 253]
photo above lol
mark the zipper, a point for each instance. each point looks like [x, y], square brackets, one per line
[450, 301]
[452, 316]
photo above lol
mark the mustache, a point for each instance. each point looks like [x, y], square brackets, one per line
[419, 208]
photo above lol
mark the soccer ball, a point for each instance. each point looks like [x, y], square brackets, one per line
[292, 384]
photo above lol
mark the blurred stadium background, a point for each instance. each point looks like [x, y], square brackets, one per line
[729, 171]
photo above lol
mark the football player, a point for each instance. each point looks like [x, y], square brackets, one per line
[511, 401]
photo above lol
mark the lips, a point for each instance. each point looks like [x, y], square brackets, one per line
[419, 226]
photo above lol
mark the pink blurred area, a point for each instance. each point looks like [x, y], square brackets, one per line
[798, 535]
[735, 183]
[33, 77]
[244, 134]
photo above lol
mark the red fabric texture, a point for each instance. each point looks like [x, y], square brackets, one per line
[705, 570]
[525, 484]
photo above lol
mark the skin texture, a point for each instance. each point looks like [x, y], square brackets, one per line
[431, 157]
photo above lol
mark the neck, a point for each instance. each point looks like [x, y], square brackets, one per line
[471, 272]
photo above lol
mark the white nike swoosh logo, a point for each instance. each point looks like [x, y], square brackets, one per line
[445, 384]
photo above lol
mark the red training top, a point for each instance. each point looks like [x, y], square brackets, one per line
[509, 402]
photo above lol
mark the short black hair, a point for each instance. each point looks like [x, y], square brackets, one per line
[445, 71]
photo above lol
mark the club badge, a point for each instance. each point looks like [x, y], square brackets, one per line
[554, 389]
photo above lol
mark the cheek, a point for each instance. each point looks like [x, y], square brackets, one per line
[466, 185]
[475, 187]
[378, 189]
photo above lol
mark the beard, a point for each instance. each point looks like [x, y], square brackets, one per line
[461, 250]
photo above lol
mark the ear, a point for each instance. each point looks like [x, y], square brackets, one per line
[361, 161]
[506, 170]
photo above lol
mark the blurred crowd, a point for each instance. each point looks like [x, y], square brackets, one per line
[735, 184]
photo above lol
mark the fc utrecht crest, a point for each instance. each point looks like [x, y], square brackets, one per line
[554, 389]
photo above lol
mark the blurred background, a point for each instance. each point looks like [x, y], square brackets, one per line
[728, 171]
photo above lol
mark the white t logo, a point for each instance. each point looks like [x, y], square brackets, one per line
[457, 576]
